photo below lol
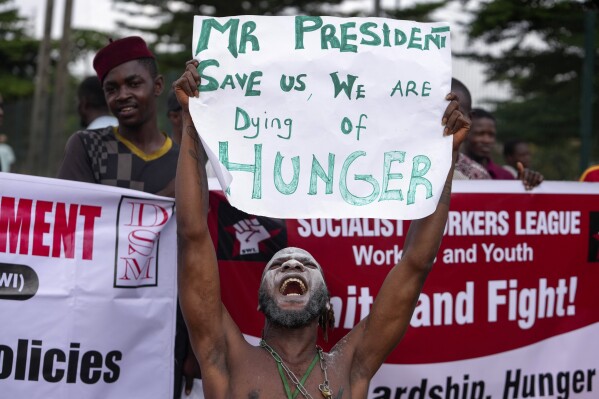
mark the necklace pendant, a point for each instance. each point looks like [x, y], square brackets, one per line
[326, 391]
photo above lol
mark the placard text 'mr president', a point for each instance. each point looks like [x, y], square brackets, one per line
[344, 37]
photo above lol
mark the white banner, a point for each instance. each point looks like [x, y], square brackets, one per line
[562, 367]
[325, 117]
[87, 290]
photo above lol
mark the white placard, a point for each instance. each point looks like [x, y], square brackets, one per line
[325, 116]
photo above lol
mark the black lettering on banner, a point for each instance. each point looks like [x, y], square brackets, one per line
[54, 365]
[559, 385]
[452, 388]
[91, 365]
[73, 363]
[52, 371]
[35, 359]
[111, 364]
[7, 355]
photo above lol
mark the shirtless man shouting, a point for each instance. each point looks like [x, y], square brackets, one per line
[293, 294]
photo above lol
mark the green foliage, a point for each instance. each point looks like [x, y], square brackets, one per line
[171, 38]
[536, 46]
[87, 42]
[11, 24]
[420, 12]
[17, 53]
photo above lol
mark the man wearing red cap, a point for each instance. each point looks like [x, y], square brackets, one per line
[135, 154]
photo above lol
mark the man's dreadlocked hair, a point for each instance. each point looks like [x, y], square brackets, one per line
[326, 320]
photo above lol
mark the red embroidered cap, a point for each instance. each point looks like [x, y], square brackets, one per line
[118, 52]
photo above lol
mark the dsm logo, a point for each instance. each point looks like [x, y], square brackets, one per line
[139, 224]
[593, 255]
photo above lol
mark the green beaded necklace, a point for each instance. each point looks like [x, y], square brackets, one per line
[299, 384]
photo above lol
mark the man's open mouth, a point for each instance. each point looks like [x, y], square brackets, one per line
[293, 286]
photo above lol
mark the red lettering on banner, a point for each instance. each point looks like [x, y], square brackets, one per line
[48, 218]
[142, 224]
[150, 211]
[14, 226]
[89, 213]
[64, 231]
[41, 227]
[133, 265]
[142, 241]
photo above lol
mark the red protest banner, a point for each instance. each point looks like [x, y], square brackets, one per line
[514, 269]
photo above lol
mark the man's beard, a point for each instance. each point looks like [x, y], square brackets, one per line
[293, 318]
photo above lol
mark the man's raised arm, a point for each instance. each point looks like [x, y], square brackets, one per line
[199, 288]
[379, 333]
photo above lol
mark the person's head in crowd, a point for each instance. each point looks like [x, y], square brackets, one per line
[129, 75]
[517, 150]
[463, 94]
[91, 102]
[173, 112]
[479, 143]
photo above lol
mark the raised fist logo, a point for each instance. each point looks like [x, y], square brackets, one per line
[246, 238]
[249, 232]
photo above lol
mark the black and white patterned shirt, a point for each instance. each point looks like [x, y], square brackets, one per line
[103, 156]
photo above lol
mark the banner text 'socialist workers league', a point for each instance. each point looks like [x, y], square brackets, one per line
[507, 312]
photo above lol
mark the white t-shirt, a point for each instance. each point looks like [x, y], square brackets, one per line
[7, 157]
[103, 121]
